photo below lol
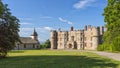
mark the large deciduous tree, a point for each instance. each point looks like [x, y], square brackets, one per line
[9, 28]
[112, 24]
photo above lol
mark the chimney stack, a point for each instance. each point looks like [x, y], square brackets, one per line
[102, 30]
[72, 28]
[59, 29]
[85, 28]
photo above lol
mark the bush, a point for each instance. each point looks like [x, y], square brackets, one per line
[100, 48]
[103, 47]
[113, 47]
[116, 44]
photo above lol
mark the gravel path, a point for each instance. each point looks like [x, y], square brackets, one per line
[115, 56]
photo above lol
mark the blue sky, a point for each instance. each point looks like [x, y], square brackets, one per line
[45, 15]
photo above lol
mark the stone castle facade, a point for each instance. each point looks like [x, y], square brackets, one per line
[88, 38]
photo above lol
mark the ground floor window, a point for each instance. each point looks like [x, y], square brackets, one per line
[91, 44]
[33, 46]
[81, 46]
[24, 45]
[85, 44]
[37, 46]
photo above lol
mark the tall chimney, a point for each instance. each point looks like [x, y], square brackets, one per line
[102, 30]
[85, 28]
[72, 28]
[59, 29]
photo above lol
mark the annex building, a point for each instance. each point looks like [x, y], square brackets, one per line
[27, 43]
[88, 38]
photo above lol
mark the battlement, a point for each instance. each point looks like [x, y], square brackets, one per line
[90, 27]
[53, 31]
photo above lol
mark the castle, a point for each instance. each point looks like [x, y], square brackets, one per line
[88, 38]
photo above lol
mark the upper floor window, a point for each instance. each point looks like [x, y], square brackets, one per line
[91, 38]
[85, 38]
[81, 33]
[60, 39]
[60, 44]
[72, 38]
[91, 33]
[91, 44]
[81, 39]
[85, 44]
[65, 34]
[52, 37]
[59, 34]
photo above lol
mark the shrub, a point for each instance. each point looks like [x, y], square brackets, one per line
[116, 44]
[113, 47]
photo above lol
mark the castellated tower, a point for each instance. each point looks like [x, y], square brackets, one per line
[92, 37]
[95, 37]
[62, 39]
[53, 39]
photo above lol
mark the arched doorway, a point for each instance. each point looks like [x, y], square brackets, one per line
[70, 46]
[75, 45]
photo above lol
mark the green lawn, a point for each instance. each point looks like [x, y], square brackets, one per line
[56, 59]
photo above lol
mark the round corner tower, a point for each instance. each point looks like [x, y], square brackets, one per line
[53, 39]
[95, 37]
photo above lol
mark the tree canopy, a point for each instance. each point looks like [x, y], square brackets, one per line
[9, 28]
[46, 44]
[112, 23]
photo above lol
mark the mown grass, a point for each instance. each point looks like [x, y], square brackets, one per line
[56, 59]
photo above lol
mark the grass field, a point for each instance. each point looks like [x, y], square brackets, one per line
[56, 59]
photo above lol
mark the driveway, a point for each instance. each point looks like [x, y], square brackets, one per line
[115, 56]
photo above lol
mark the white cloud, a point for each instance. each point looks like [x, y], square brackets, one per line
[26, 19]
[25, 23]
[48, 28]
[46, 17]
[65, 21]
[83, 4]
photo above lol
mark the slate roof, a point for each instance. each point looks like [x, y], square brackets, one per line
[28, 40]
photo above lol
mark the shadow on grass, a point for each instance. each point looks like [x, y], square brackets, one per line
[56, 62]
[16, 51]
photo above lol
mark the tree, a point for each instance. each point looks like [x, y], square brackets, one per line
[46, 44]
[112, 23]
[9, 28]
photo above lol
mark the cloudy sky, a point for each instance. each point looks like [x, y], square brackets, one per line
[45, 15]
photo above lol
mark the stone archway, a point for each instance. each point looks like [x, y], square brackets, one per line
[75, 45]
[70, 46]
